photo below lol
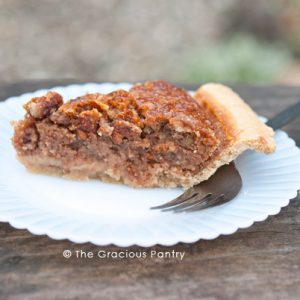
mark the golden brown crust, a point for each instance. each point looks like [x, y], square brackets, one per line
[239, 118]
[243, 125]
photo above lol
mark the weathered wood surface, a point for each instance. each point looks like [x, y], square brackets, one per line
[262, 262]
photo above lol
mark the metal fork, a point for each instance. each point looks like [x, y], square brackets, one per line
[226, 183]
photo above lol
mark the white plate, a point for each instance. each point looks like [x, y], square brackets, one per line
[101, 213]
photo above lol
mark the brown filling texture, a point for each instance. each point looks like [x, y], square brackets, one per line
[155, 134]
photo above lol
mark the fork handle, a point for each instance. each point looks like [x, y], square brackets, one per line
[285, 116]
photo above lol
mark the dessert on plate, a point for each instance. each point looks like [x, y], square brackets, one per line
[154, 135]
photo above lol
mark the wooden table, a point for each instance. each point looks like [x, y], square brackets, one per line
[262, 262]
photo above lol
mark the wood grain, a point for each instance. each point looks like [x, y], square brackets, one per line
[262, 262]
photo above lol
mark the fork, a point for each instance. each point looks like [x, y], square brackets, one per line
[226, 183]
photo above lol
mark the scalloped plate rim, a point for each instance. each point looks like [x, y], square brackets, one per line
[147, 243]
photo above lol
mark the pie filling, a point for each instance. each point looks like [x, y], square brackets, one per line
[155, 134]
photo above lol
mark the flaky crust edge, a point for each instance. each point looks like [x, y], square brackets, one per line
[240, 121]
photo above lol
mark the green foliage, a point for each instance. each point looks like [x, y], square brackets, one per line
[241, 58]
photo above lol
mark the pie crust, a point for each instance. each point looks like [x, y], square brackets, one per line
[247, 131]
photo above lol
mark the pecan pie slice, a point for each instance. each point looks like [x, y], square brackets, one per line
[154, 135]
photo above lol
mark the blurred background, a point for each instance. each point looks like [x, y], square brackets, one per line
[234, 41]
